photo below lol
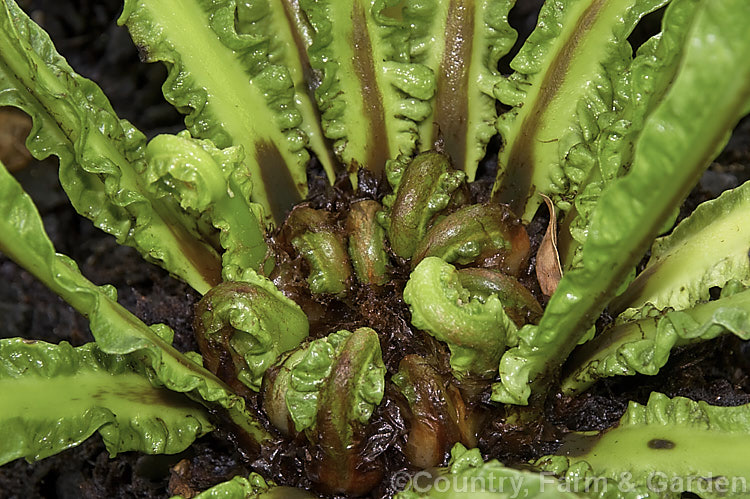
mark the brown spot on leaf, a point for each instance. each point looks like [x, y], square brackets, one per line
[661, 444]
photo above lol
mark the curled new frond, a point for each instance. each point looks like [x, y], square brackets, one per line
[302, 378]
[436, 413]
[329, 388]
[317, 238]
[250, 322]
[426, 187]
[212, 183]
[367, 243]
[488, 234]
[252, 487]
[518, 302]
[476, 330]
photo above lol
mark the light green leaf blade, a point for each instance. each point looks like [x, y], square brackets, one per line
[117, 331]
[468, 476]
[252, 487]
[461, 42]
[662, 449]
[371, 95]
[100, 155]
[230, 91]
[562, 91]
[596, 160]
[707, 249]
[56, 396]
[644, 345]
[289, 35]
[677, 143]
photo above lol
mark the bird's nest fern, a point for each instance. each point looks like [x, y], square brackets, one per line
[411, 290]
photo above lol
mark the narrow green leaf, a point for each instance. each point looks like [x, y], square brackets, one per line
[643, 346]
[370, 95]
[553, 113]
[117, 331]
[461, 42]
[707, 249]
[469, 476]
[289, 35]
[230, 90]
[252, 487]
[100, 155]
[56, 396]
[677, 143]
[597, 160]
[660, 450]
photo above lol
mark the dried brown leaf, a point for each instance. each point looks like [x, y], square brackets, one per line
[548, 268]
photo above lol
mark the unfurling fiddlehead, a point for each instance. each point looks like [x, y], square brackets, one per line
[488, 234]
[328, 389]
[367, 243]
[476, 330]
[518, 302]
[315, 236]
[425, 188]
[243, 327]
[437, 414]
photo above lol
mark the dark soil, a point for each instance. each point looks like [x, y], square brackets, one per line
[84, 31]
